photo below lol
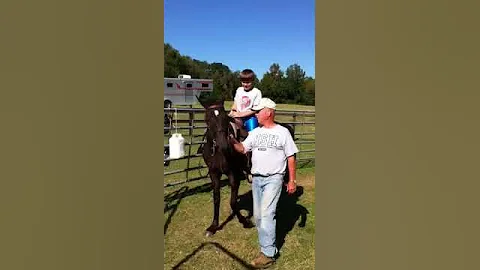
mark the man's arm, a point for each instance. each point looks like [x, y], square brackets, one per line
[292, 182]
[291, 168]
[290, 151]
[238, 146]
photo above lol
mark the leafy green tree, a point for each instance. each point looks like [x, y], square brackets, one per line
[273, 84]
[291, 86]
[295, 81]
[310, 91]
[172, 59]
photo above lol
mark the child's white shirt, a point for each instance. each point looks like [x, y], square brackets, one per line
[245, 100]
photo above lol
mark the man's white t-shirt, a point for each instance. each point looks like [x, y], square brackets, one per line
[245, 100]
[270, 149]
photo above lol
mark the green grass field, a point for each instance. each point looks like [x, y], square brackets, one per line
[189, 211]
[196, 162]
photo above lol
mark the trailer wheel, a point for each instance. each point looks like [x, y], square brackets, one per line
[166, 154]
[167, 117]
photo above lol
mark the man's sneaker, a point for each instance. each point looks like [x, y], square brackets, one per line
[262, 261]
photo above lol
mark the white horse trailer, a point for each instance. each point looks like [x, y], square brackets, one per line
[182, 90]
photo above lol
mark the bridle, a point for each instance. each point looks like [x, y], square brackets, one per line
[214, 146]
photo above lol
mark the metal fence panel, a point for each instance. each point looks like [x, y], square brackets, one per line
[185, 165]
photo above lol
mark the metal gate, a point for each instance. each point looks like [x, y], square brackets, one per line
[190, 122]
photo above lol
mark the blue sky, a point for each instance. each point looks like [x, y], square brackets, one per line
[244, 34]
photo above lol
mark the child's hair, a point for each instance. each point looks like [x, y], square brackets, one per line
[247, 75]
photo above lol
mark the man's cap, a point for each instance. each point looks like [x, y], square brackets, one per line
[264, 103]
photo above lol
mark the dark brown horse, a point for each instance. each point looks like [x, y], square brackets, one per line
[222, 159]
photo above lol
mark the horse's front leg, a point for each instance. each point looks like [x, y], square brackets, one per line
[248, 161]
[215, 177]
[234, 184]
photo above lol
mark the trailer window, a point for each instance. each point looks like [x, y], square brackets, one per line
[169, 84]
[204, 84]
[189, 85]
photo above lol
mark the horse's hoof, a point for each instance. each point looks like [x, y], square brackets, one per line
[248, 224]
[210, 231]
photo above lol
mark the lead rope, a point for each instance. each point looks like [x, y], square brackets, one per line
[213, 147]
[176, 122]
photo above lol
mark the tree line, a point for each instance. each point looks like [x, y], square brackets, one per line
[291, 86]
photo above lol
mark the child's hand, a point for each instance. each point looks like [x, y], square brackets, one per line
[232, 114]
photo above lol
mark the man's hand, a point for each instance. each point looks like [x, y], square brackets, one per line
[236, 145]
[291, 187]
[232, 139]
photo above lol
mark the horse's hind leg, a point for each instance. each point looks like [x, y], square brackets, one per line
[234, 202]
[215, 177]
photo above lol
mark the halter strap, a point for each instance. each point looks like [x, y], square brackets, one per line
[214, 106]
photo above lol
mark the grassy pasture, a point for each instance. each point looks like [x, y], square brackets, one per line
[189, 211]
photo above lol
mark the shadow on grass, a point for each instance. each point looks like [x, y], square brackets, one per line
[207, 187]
[173, 199]
[172, 207]
[220, 247]
[245, 202]
[288, 211]
[287, 214]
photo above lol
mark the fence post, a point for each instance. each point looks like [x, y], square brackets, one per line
[191, 122]
[304, 130]
[294, 124]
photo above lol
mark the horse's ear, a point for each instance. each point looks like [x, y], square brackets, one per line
[201, 101]
[220, 101]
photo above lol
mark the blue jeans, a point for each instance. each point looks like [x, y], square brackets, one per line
[266, 192]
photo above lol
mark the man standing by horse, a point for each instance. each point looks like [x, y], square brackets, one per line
[272, 147]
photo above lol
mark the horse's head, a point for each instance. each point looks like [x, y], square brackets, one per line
[218, 123]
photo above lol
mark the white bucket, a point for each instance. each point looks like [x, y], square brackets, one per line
[176, 145]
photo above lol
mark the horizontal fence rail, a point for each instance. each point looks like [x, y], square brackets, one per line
[277, 112]
[190, 122]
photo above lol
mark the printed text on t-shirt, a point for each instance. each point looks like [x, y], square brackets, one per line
[267, 140]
